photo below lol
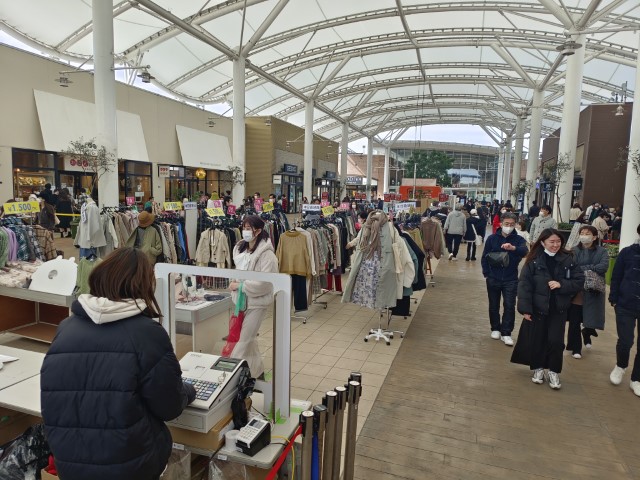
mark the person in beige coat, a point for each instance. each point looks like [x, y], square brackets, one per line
[253, 253]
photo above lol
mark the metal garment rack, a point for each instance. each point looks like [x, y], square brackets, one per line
[383, 333]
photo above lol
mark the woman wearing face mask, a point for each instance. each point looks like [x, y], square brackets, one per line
[587, 307]
[550, 278]
[253, 253]
[542, 222]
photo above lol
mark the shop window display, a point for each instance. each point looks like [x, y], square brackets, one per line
[135, 180]
[31, 171]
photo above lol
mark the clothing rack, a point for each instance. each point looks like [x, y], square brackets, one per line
[383, 333]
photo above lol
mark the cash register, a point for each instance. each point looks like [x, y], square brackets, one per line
[215, 379]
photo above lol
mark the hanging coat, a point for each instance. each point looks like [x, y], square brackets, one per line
[593, 303]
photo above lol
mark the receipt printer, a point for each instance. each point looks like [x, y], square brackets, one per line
[216, 382]
[254, 436]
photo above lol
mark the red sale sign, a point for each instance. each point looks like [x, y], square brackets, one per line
[387, 197]
[231, 210]
[324, 203]
[131, 200]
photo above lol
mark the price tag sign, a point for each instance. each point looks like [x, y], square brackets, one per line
[215, 212]
[345, 206]
[324, 203]
[387, 197]
[328, 210]
[190, 205]
[169, 206]
[267, 207]
[131, 200]
[217, 204]
[17, 208]
[231, 209]
[257, 203]
[308, 207]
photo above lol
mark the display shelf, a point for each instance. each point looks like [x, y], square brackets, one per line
[40, 297]
[42, 332]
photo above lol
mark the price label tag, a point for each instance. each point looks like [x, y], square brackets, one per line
[324, 203]
[309, 207]
[190, 205]
[328, 210]
[21, 207]
[130, 200]
[178, 446]
[231, 209]
[217, 204]
[215, 212]
[345, 206]
[267, 207]
[257, 204]
[169, 206]
[387, 197]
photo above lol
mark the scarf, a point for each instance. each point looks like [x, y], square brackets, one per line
[370, 238]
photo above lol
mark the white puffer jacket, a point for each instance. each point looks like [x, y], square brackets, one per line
[259, 294]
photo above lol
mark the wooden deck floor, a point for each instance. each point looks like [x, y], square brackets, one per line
[454, 407]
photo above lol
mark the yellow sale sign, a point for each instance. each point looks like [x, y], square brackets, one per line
[17, 208]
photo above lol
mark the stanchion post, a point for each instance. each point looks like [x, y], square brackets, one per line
[329, 401]
[354, 393]
[341, 400]
[306, 421]
[319, 424]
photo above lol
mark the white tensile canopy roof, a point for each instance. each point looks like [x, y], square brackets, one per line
[382, 65]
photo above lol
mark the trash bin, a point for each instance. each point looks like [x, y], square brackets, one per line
[74, 226]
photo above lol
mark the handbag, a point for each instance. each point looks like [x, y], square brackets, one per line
[593, 282]
[522, 350]
[498, 259]
[235, 323]
[478, 239]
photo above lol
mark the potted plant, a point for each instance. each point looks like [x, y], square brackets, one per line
[613, 254]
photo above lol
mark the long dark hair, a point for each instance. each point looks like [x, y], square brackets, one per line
[538, 247]
[256, 223]
[65, 195]
[126, 274]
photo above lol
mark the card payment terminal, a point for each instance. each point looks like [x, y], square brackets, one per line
[216, 382]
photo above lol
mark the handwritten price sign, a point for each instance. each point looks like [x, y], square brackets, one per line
[169, 206]
[215, 212]
[328, 210]
[267, 207]
[21, 207]
[231, 209]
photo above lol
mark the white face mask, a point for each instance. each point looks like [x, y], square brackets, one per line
[507, 230]
[247, 235]
[586, 239]
[551, 254]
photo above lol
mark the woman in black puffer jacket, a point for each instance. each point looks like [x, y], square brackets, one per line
[550, 278]
[110, 379]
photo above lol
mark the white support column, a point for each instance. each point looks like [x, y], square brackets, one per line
[308, 150]
[344, 152]
[517, 160]
[369, 166]
[500, 172]
[385, 184]
[631, 214]
[239, 133]
[534, 145]
[569, 129]
[104, 87]
[506, 176]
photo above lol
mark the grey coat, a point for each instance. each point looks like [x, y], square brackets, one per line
[456, 223]
[593, 304]
[539, 224]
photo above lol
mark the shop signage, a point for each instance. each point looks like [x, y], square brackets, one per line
[325, 195]
[330, 175]
[171, 206]
[75, 165]
[308, 207]
[215, 212]
[257, 204]
[288, 168]
[328, 210]
[164, 171]
[267, 207]
[21, 207]
[345, 206]
[130, 200]
[577, 183]
[324, 203]
[217, 204]
[355, 180]
[190, 205]
[277, 180]
[387, 197]
[231, 209]
[547, 187]
[405, 207]
[443, 197]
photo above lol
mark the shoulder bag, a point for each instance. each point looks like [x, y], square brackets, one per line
[593, 282]
[478, 239]
[498, 259]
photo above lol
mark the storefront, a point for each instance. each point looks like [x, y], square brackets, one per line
[135, 181]
[328, 187]
[181, 182]
[290, 184]
[357, 184]
[32, 170]
[72, 174]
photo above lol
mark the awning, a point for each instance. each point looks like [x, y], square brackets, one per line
[203, 149]
[64, 119]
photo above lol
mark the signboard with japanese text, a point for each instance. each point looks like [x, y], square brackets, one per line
[231, 209]
[308, 207]
[345, 206]
[190, 205]
[130, 200]
[17, 208]
[267, 207]
[215, 212]
[164, 171]
[328, 210]
[172, 206]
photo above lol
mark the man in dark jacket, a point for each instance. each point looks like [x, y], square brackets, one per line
[625, 297]
[502, 282]
[534, 210]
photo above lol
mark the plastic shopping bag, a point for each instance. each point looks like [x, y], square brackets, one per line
[25, 456]
[235, 323]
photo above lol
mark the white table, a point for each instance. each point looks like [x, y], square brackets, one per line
[209, 322]
[23, 397]
[28, 365]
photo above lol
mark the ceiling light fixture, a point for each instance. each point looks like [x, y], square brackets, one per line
[568, 48]
[211, 122]
[146, 77]
[267, 122]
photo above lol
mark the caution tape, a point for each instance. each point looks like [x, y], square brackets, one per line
[67, 214]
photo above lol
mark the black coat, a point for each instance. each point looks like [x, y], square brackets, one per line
[534, 295]
[625, 279]
[494, 244]
[106, 391]
[474, 222]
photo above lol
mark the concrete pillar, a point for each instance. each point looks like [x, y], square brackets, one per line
[369, 165]
[344, 152]
[631, 213]
[506, 175]
[385, 183]
[534, 145]
[500, 171]
[569, 129]
[308, 150]
[104, 87]
[239, 129]
[517, 160]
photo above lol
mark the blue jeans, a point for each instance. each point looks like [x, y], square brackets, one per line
[87, 252]
[507, 290]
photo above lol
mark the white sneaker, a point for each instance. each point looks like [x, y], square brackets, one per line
[616, 375]
[538, 376]
[454, 259]
[588, 346]
[577, 356]
[554, 380]
[635, 386]
[495, 335]
[450, 256]
[508, 341]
